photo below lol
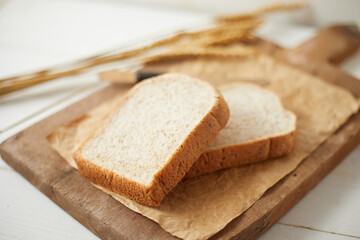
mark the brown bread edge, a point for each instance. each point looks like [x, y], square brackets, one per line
[242, 154]
[168, 177]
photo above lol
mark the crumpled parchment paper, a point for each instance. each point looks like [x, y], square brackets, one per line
[198, 208]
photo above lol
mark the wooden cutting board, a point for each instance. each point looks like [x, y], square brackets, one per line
[31, 155]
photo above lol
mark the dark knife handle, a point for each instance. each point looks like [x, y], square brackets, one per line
[144, 75]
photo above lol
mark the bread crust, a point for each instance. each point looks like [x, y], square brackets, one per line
[245, 153]
[242, 154]
[168, 177]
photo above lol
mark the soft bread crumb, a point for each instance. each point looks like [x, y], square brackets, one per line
[153, 137]
[259, 128]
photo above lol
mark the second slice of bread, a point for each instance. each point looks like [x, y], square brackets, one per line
[259, 128]
[153, 137]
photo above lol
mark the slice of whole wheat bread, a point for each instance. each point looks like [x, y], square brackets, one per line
[259, 128]
[153, 137]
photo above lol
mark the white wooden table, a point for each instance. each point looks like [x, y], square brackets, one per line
[39, 33]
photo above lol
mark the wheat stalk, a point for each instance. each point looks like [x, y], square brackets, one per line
[202, 43]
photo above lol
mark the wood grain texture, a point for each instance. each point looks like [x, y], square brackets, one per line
[280, 231]
[31, 155]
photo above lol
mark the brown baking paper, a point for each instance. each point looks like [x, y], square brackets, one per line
[198, 208]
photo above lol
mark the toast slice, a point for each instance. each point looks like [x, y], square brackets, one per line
[153, 137]
[259, 128]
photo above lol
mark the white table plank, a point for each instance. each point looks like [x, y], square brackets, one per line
[280, 231]
[15, 60]
[76, 29]
[50, 108]
[25, 213]
[333, 205]
[285, 34]
[352, 65]
[22, 104]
